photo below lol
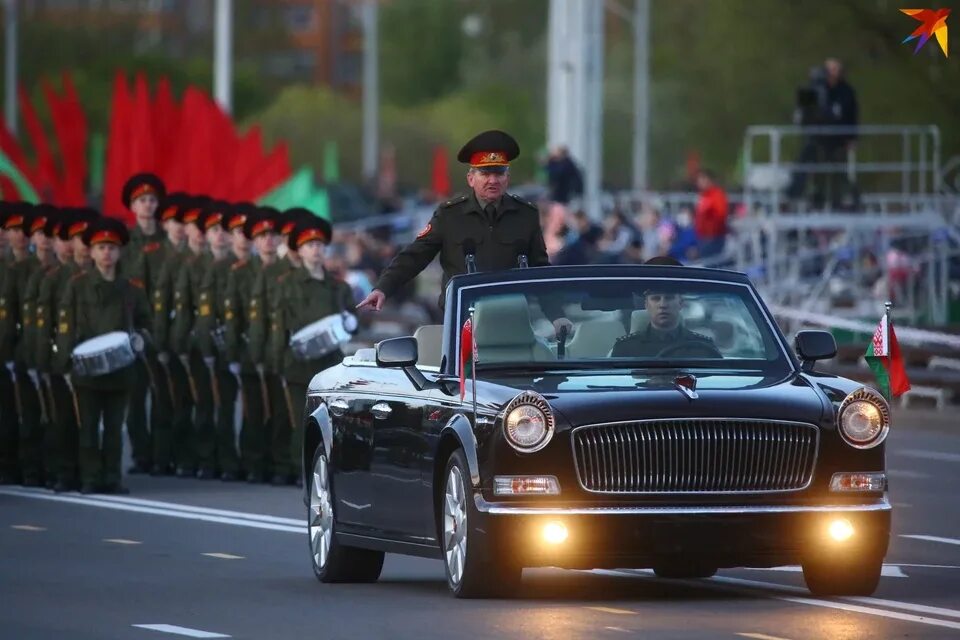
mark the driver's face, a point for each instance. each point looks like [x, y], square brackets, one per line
[664, 310]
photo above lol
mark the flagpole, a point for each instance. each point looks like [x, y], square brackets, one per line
[473, 368]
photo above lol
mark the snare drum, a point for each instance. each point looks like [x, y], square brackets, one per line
[103, 354]
[323, 337]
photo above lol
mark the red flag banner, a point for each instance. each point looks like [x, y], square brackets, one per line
[468, 354]
[885, 360]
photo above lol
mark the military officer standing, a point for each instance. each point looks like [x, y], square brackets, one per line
[97, 302]
[306, 295]
[500, 226]
[62, 459]
[142, 259]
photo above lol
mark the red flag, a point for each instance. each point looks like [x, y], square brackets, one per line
[468, 354]
[166, 125]
[75, 181]
[899, 383]
[118, 163]
[142, 150]
[45, 169]
[884, 358]
[11, 148]
[440, 175]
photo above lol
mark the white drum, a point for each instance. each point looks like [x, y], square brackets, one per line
[323, 337]
[103, 354]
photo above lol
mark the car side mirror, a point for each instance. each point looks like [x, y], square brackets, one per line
[397, 352]
[402, 353]
[812, 345]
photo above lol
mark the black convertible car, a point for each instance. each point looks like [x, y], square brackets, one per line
[671, 427]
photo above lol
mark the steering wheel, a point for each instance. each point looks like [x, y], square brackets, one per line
[704, 349]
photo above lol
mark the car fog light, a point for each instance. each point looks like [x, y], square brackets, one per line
[841, 530]
[526, 485]
[555, 533]
[874, 481]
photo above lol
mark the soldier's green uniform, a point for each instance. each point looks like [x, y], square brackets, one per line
[185, 343]
[93, 306]
[212, 308]
[500, 231]
[9, 419]
[142, 258]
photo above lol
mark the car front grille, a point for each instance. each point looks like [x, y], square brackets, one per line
[710, 455]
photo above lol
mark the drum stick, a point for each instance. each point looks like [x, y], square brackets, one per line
[73, 396]
[286, 396]
[193, 386]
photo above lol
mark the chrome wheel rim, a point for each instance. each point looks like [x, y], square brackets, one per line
[321, 514]
[455, 525]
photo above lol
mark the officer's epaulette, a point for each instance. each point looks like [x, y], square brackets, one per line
[453, 201]
[522, 201]
[628, 336]
[138, 283]
[150, 247]
[283, 276]
[236, 265]
[77, 275]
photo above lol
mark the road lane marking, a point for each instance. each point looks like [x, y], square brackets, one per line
[181, 631]
[176, 506]
[27, 527]
[186, 515]
[932, 539]
[223, 556]
[770, 590]
[625, 612]
[940, 456]
[760, 636]
[121, 541]
[620, 629]
[888, 570]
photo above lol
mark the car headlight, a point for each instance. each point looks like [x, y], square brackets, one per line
[864, 418]
[528, 422]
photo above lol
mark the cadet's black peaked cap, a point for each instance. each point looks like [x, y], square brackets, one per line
[307, 229]
[74, 221]
[140, 185]
[106, 230]
[38, 217]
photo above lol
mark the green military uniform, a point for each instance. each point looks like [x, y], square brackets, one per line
[302, 300]
[501, 233]
[266, 290]
[649, 342]
[173, 373]
[93, 306]
[9, 418]
[254, 436]
[212, 308]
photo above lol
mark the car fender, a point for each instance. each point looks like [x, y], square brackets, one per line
[460, 428]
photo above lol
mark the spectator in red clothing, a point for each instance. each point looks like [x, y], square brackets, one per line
[710, 217]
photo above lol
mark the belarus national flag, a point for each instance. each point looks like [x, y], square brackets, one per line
[883, 356]
[468, 354]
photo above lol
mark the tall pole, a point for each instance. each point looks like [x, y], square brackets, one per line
[223, 54]
[10, 68]
[641, 93]
[592, 127]
[371, 90]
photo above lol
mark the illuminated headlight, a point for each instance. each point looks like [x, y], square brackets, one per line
[859, 481]
[526, 486]
[528, 422]
[864, 418]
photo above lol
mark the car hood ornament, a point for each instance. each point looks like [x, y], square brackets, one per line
[687, 385]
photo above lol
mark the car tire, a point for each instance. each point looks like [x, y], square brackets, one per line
[857, 576]
[474, 570]
[683, 571]
[331, 560]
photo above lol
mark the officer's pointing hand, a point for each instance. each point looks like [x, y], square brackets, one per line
[374, 300]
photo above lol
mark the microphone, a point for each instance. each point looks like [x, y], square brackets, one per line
[469, 253]
[521, 248]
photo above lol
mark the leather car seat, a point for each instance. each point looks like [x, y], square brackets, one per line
[429, 339]
[503, 332]
[595, 338]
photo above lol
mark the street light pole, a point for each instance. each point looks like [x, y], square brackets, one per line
[223, 54]
[371, 90]
[10, 68]
[641, 93]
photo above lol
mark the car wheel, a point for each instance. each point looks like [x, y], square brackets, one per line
[473, 566]
[857, 576]
[332, 561]
[681, 571]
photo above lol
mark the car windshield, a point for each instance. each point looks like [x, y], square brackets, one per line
[620, 323]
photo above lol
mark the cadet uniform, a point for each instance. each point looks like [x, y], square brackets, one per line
[254, 435]
[212, 309]
[302, 300]
[9, 319]
[63, 412]
[175, 379]
[500, 231]
[185, 344]
[143, 259]
[93, 306]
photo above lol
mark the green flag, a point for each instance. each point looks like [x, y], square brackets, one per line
[9, 170]
[292, 193]
[331, 162]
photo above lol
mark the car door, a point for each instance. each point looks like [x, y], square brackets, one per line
[353, 427]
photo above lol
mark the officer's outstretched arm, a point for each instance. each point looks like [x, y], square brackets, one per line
[413, 258]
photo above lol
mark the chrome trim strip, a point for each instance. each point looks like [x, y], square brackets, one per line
[499, 510]
[661, 479]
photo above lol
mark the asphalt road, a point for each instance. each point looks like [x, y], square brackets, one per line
[186, 558]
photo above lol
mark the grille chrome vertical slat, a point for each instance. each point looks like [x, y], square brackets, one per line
[712, 455]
